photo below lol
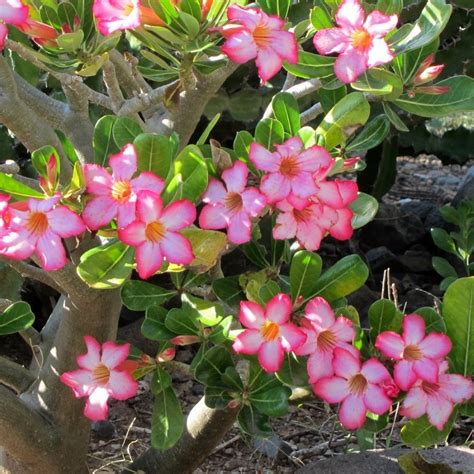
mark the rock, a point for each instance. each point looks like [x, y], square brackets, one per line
[415, 299]
[448, 181]
[419, 208]
[416, 261]
[104, 429]
[379, 258]
[361, 300]
[272, 446]
[466, 188]
[198, 389]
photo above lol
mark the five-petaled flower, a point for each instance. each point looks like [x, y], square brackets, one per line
[155, 233]
[12, 12]
[103, 373]
[269, 334]
[37, 226]
[116, 195]
[437, 399]
[252, 34]
[323, 334]
[232, 206]
[360, 42]
[417, 355]
[358, 387]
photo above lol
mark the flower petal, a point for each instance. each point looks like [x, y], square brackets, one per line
[3, 34]
[264, 159]
[179, 214]
[404, 375]
[310, 344]
[455, 387]
[90, 359]
[439, 410]
[303, 185]
[291, 337]
[285, 226]
[390, 344]
[379, 53]
[50, 250]
[122, 385]
[147, 182]
[13, 12]
[343, 329]
[379, 24]
[285, 45]
[435, 346]
[309, 235]
[98, 180]
[350, 65]
[249, 17]
[65, 223]
[279, 308]
[126, 213]
[350, 14]
[342, 228]
[320, 313]
[149, 259]
[320, 366]
[177, 249]
[290, 147]
[114, 354]
[414, 404]
[376, 400]
[124, 164]
[270, 356]
[352, 412]
[213, 216]
[374, 371]
[149, 206]
[81, 382]
[248, 342]
[215, 192]
[96, 406]
[413, 329]
[239, 229]
[345, 364]
[331, 40]
[275, 187]
[240, 47]
[331, 389]
[268, 63]
[235, 177]
[426, 369]
[253, 201]
[133, 234]
[99, 212]
[251, 315]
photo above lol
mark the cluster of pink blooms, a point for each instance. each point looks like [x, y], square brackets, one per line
[335, 367]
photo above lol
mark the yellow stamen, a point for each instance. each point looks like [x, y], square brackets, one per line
[270, 331]
[155, 231]
[233, 202]
[289, 167]
[261, 36]
[121, 191]
[37, 223]
[361, 39]
[101, 374]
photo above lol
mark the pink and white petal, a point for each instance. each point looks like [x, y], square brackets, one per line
[91, 358]
[43, 205]
[114, 354]
[235, 177]
[268, 63]
[275, 187]
[253, 201]
[390, 344]
[96, 408]
[274, 22]
[331, 40]
[374, 371]
[50, 250]
[319, 366]
[348, 190]
[414, 404]
[98, 180]
[350, 65]
[121, 385]
[350, 14]
[291, 337]
[435, 346]
[248, 342]
[13, 12]
[240, 229]
[404, 375]
[251, 315]
[379, 53]
[81, 381]
[309, 235]
[213, 216]
[426, 369]
[65, 223]
[279, 308]
[270, 356]
[126, 214]
[345, 364]
[285, 227]
[177, 248]
[439, 410]
[342, 229]
[290, 147]
[328, 193]
[99, 212]
[303, 185]
[133, 234]
[3, 34]
[343, 329]
[249, 17]
[455, 387]
[264, 159]
[124, 164]
[16, 245]
[240, 47]
[331, 389]
[147, 181]
[376, 400]
[179, 214]
[353, 412]
[215, 192]
[285, 45]
[310, 344]
[149, 206]
[149, 259]
[349, 348]
[378, 24]
[320, 313]
[413, 329]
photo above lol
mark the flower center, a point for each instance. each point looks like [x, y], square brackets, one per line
[357, 385]
[233, 202]
[261, 36]
[289, 167]
[412, 352]
[270, 331]
[361, 39]
[121, 191]
[302, 215]
[155, 231]
[326, 341]
[429, 388]
[37, 223]
[101, 374]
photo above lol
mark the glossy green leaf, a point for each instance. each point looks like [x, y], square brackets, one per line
[40, 159]
[395, 120]
[182, 322]
[286, 111]
[17, 190]
[139, 295]
[365, 208]
[253, 422]
[228, 290]
[320, 19]
[167, 421]
[420, 433]
[103, 141]
[17, 317]
[384, 316]
[371, 135]
[311, 65]
[443, 267]
[125, 131]
[269, 132]
[330, 97]
[212, 366]
[443, 240]
[155, 153]
[293, 371]
[207, 312]
[305, 270]
[390, 7]
[377, 81]
[161, 380]
[153, 326]
[275, 7]
[407, 64]
[433, 320]
[273, 402]
[242, 142]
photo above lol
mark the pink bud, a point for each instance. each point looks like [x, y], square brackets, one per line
[185, 340]
[428, 74]
[166, 355]
[434, 90]
[233, 404]
[350, 163]
[391, 388]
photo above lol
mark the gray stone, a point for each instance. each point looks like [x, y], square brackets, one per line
[419, 208]
[416, 261]
[104, 429]
[415, 299]
[272, 447]
[466, 188]
[379, 258]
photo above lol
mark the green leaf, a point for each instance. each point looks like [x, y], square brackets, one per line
[17, 190]
[155, 153]
[161, 380]
[275, 7]
[390, 7]
[212, 366]
[395, 120]
[107, 266]
[221, 332]
[443, 240]
[384, 316]
[420, 433]
[320, 19]
[253, 422]
[443, 267]
[286, 111]
[433, 320]
[139, 295]
[40, 159]
[153, 326]
[311, 66]
[269, 132]
[343, 278]
[103, 141]
[375, 423]
[125, 131]
[182, 322]
[381, 82]
[365, 208]
[293, 371]
[371, 135]
[407, 64]
[228, 290]
[459, 98]
[71, 41]
[17, 317]
[273, 402]
[242, 142]
[458, 314]
[305, 270]
[330, 97]
[167, 421]
[207, 312]
[343, 119]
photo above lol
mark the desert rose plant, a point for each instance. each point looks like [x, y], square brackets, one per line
[132, 203]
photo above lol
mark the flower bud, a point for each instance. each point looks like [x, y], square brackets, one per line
[391, 388]
[427, 75]
[166, 355]
[233, 404]
[433, 90]
[185, 340]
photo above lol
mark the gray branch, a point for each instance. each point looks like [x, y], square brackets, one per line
[14, 376]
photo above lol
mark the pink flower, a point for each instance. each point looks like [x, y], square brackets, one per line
[290, 169]
[4, 219]
[39, 228]
[252, 34]
[417, 354]
[323, 334]
[101, 376]
[437, 399]
[269, 332]
[232, 206]
[12, 12]
[155, 234]
[116, 195]
[360, 43]
[356, 386]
